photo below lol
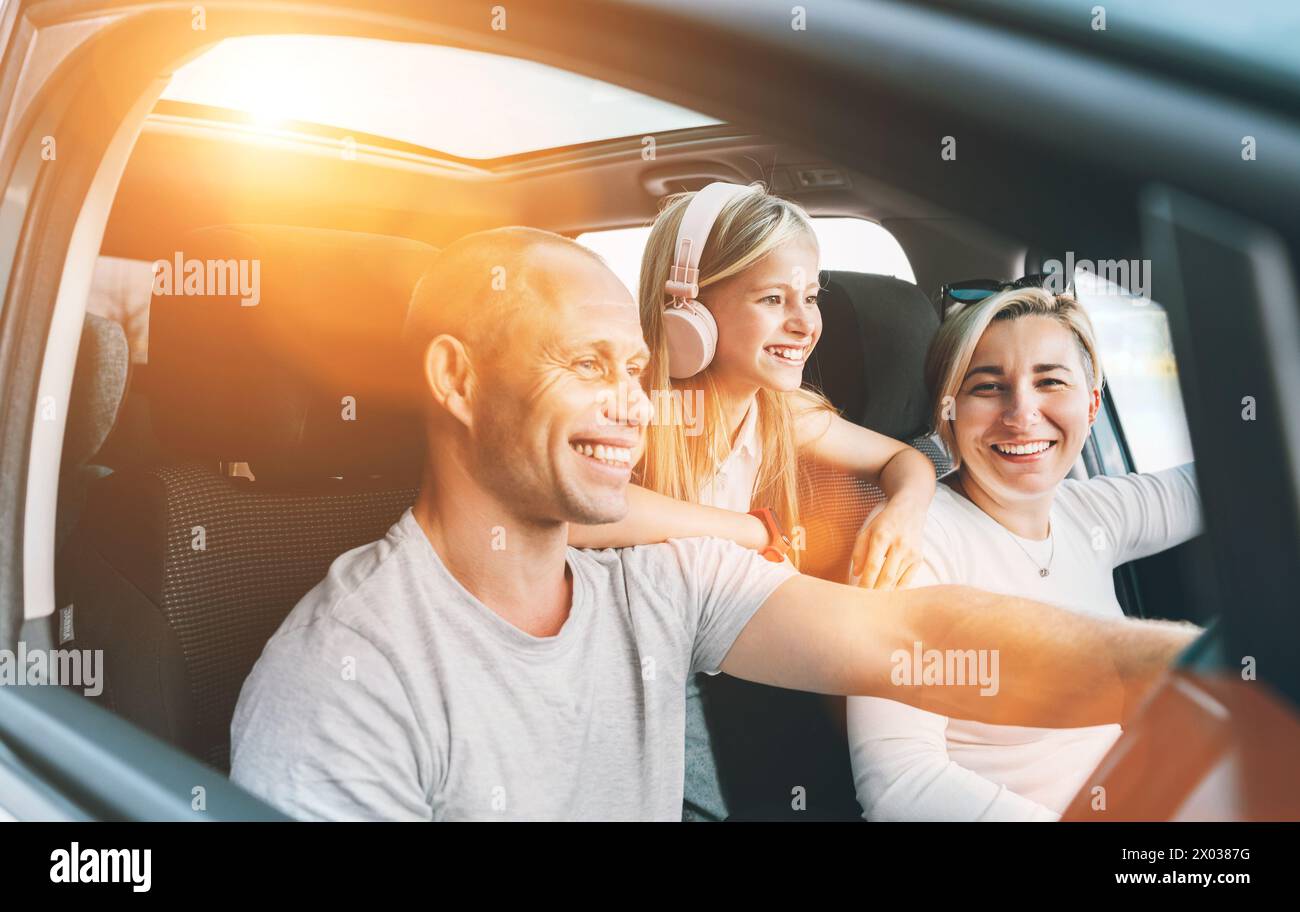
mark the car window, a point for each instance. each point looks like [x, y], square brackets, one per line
[846, 243]
[1137, 356]
[120, 290]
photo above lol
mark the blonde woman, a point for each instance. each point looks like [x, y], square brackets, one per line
[1016, 382]
[752, 262]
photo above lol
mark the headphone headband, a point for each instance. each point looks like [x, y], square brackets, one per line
[693, 234]
[692, 333]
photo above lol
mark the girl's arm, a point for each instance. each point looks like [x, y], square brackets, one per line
[653, 518]
[888, 548]
[902, 472]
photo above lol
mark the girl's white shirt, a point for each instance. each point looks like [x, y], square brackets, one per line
[732, 485]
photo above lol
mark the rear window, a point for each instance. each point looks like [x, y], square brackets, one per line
[120, 290]
[852, 244]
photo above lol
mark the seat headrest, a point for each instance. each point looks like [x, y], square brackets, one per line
[870, 361]
[98, 385]
[280, 346]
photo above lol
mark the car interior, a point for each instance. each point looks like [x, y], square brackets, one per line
[208, 482]
[215, 458]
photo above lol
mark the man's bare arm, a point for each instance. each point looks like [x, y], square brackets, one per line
[1055, 668]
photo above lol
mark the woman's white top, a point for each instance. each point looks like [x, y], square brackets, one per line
[732, 486]
[910, 764]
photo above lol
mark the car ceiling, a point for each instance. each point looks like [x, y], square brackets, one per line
[188, 172]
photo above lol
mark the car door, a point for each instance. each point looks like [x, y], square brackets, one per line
[61, 757]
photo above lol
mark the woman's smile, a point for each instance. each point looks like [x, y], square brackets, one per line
[1023, 451]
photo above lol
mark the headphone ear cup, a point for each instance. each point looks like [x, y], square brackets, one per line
[692, 336]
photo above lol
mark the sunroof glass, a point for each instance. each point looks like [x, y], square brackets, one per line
[465, 103]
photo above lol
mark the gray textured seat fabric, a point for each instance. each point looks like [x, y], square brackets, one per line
[98, 387]
[99, 384]
[183, 570]
[768, 741]
[181, 628]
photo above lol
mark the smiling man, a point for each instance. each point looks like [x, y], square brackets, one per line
[471, 666]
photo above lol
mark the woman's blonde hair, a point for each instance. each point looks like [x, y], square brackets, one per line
[679, 461]
[954, 345]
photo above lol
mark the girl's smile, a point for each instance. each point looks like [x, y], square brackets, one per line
[768, 319]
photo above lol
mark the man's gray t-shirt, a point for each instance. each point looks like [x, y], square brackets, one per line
[392, 693]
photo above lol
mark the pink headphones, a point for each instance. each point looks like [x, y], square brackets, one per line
[691, 330]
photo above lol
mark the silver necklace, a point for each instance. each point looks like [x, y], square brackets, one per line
[1042, 571]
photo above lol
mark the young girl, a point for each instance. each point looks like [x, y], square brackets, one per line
[704, 470]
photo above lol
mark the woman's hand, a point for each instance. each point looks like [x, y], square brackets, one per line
[888, 549]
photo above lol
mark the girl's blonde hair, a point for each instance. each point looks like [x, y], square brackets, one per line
[954, 346]
[678, 460]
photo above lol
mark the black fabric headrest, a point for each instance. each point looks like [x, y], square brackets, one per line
[870, 361]
[294, 364]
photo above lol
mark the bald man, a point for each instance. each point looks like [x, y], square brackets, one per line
[471, 666]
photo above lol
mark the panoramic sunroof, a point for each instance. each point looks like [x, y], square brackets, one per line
[464, 103]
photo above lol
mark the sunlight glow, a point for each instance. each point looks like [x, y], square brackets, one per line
[464, 103]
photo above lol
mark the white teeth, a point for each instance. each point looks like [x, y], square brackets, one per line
[621, 457]
[789, 354]
[1022, 449]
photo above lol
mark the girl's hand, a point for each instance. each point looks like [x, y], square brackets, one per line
[888, 550]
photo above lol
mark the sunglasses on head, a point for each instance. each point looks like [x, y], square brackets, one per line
[956, 295]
